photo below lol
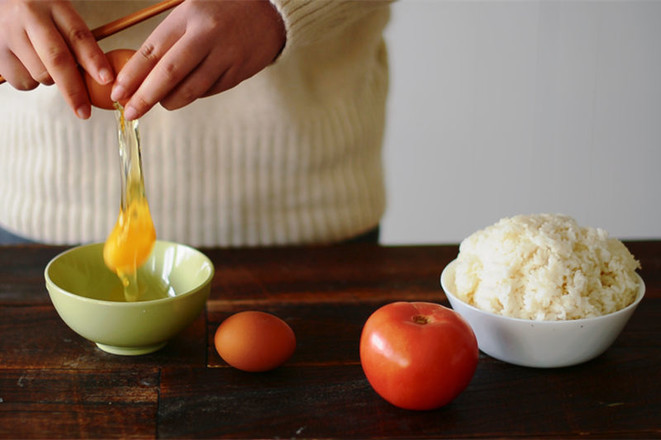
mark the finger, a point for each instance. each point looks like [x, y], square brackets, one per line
[132, 74]
[196, 85]
[80, 40]
[15, 72]
[227, 81]
[177, 63]
[147, 57]
[29, 58]
[60, 63]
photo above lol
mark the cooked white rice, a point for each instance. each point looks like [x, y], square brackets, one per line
[545, 267]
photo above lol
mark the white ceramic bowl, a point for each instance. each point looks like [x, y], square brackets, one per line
[542, 344]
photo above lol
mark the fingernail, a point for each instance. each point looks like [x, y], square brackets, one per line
[84, 111]
[105, 76]
[118, 93]
[130, 113]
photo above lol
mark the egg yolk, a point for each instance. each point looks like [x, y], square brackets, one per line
[130, 242]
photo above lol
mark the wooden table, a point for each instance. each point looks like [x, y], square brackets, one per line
[55, 384]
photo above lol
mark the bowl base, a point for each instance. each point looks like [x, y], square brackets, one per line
[131, 351]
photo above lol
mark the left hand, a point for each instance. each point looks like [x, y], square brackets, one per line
[40, 42]
[202, 48]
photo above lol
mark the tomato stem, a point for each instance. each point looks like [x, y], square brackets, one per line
[419, 319]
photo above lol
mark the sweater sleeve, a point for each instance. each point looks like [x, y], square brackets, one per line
[310, 21]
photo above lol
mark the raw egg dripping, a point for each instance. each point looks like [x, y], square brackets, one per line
[130, 242]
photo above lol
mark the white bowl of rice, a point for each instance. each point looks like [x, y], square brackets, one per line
[541, 291]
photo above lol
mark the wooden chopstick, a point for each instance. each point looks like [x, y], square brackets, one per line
[134, 18]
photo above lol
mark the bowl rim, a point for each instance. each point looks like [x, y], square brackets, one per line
[639, 297]
[126, 303]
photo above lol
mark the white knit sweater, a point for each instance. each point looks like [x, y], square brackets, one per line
[292, 155]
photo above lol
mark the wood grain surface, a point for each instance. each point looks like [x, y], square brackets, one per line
[54, 384]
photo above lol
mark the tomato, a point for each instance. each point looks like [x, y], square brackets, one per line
[100, 94]
[418, 355]
[254, 341]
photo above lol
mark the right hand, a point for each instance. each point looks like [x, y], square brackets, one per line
[201, 48]
[41, 42]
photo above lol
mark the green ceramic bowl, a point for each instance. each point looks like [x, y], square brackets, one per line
[174, 286]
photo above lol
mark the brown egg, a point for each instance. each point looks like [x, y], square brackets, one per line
[100, 94]
[254, 341]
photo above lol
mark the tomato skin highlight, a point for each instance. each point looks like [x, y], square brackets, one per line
[418, 355]
[254, 341]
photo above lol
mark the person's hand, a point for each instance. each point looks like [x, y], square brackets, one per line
[40, 42]
[202, 48]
